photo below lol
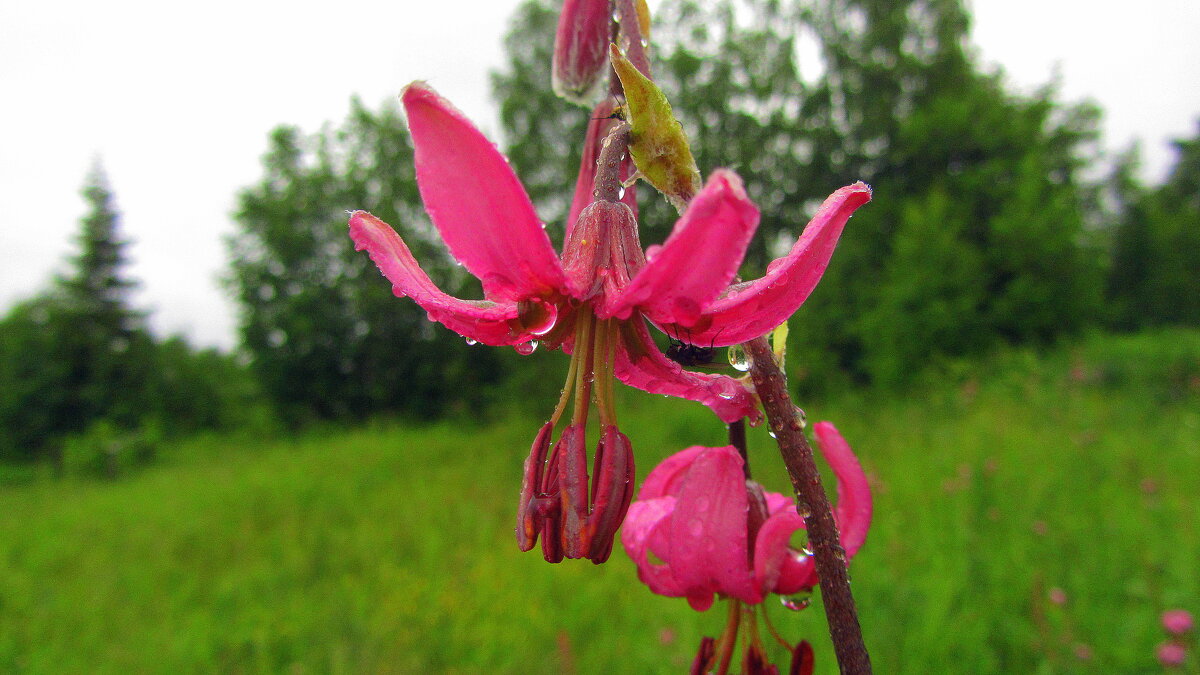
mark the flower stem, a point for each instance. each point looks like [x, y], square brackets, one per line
[813, 505]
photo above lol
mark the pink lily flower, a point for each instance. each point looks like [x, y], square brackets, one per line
[716, 532]
[590, 301]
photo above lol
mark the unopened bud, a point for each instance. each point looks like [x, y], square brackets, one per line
[580, 50]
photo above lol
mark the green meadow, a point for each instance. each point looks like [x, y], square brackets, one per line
[1033, 514]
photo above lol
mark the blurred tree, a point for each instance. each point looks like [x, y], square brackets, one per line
[78, 352]
[326, 337]
[888, 92]
[1155, 275]
[79, 356]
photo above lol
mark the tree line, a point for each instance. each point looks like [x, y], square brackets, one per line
[994, 223]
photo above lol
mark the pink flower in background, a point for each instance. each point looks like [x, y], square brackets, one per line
[1177, 621]
[699, 527]
[1171, 654]
[590, 301]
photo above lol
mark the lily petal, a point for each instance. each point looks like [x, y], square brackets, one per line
[753, 308]
[640, 364]
[697, 261]
[853, 511]
[664, 479]
[477, 202]
[487, 322]
[643, 533]
[708, 547]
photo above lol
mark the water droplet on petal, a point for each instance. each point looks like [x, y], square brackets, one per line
[472, 342]
[536, 316]
[696, 527]
[526, 348]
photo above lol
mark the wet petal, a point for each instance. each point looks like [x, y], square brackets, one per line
[476, 201]
[708, 530]
[698, 260]
[853, 512]
[771, 551]
[640, 364]
[487, 322]
[664, 479]
[753, 308]
[644, 533]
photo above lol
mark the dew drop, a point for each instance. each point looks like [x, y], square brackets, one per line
[471, 342]
[696, 527]
[526, 348]
[801, 418]
[737, 358]
[796, 602]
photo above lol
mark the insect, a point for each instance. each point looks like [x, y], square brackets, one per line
[690, 355]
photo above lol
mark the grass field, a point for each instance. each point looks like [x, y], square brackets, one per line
[390, 548]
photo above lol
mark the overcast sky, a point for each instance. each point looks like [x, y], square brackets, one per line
[177, 99]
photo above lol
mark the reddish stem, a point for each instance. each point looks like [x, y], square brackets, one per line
[813, 504]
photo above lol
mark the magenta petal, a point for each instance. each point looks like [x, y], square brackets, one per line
[697, 261]
[664, 479]
[853, 512]
[476, 201]
[640, 364]
[708, 529]
[772, 552]
[756, 307]
[482, 321]
[643, 533]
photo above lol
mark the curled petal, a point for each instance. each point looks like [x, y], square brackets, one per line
[477, 202]
[699, 258]
[640, 364]
[488, 322]
[645, 533]
[852, 513]
[772, 552]
[753, 308]
[664, 479]
[708, 547]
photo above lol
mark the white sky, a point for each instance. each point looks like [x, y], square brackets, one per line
[177, 99]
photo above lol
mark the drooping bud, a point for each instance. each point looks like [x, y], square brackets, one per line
[658, 145]
[579, 50]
